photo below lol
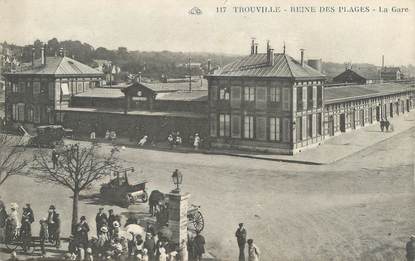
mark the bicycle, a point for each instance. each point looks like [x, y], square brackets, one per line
[15, 239]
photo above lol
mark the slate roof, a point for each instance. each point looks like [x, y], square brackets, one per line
[174, 86]
[255, 65]
[57, 65]
[367, 73]
[345, 93]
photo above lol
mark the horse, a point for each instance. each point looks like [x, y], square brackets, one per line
[156, 197]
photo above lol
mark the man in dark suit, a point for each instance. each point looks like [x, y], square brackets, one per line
[52, 221]
[241, 239]
[101, 220]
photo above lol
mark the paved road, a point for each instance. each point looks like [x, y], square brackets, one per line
[359, 208]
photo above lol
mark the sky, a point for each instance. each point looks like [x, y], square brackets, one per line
[157, 25]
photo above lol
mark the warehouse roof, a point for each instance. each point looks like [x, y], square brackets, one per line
[102, 93]
[345, 93]
[255, 65]
[367, 73]
[175, 86]
[57, 65]
[196, 95]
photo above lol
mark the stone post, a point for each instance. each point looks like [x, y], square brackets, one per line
[178, 205]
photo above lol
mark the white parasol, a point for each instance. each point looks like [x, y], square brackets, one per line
[135, 229]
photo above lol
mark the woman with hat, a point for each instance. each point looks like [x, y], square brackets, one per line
[103, 240]
[82, 230]
[13, 220]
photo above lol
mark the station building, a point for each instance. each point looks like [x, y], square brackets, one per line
[35, 93]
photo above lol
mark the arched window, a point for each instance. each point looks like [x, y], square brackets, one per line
[30, 113]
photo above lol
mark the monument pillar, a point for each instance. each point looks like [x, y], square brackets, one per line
[178, 205]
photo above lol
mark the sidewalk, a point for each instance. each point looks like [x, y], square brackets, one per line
[331, 150]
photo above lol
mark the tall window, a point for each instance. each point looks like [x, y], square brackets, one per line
[14, 87]
[51, 90]
[299, 129]
[249, 94]
[224, 125]
[319, 96]
[318, 124]
[309, 97]
[274, 94]
[249, 127]
[36, 117]
[36, 88]
[18, 112]
[310, 126]
[286, 99]
[30, 113]
[274, 128]
[299, 98]
[224, 94]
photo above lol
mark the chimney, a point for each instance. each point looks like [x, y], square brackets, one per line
[302, 57]
[271, 57]
[383, 61]
[256, 48]
[33, 56]
[253, 46]
[268, 46]
[208, 66]
[42, 56]
[283, 48]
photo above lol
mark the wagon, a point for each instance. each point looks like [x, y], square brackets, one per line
[120, 191]
[195, 218]
[50, 136]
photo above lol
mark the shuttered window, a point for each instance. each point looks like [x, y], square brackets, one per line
[261, 128]
[36, 88]
[51, 91]
[274, 129]
[249, 127]
[286, 130]
[261, 98]
[318, 124]
[236, 96]
[314, 96]
[305, 92]
[36, 117]
[236, 126]
[299, 98]
[286, 99]
[309, 126]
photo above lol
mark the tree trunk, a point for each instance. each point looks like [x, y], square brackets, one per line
[75, 210]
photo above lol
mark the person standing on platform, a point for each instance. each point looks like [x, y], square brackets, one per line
[240, 235]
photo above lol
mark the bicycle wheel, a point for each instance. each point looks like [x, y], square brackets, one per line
[11, 244]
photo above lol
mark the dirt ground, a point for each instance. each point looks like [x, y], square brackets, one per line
[360, 208]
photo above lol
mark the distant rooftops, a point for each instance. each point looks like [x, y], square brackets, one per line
[57, 65]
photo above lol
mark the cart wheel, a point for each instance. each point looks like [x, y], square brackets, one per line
[145, 197]
[198, 222]
[11, 244]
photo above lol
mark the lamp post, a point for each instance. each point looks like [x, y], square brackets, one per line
[177, 180]
[178, 205]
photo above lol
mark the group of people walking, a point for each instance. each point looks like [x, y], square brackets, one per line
[241, 238]
[14, 228]
[385, 125]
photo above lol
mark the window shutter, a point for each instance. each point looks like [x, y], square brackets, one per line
[314, 125]
[236, 126]
[314, 96]
[304, 129]
[213, 124]
[261, 128]
[236, 96]
[286, 99]
[305, 98]
[286, 130]
[261, 97]
[213, 95]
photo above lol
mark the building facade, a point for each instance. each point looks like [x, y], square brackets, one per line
[34, 94]
[266, 102]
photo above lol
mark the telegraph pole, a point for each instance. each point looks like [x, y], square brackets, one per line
[190, 74]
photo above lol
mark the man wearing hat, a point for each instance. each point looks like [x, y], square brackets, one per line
[81, 233]
[3, 217]
[111, 219]
[240, 235]
[101, 219]
[26, 229]
[52, 222]
[410, 249]
[150, 245]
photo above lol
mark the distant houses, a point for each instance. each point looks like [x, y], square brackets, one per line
[358, 76]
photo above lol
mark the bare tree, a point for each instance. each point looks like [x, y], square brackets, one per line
[12, 161]
[77, 169]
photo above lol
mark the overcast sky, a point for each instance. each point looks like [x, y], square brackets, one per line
[166, 25]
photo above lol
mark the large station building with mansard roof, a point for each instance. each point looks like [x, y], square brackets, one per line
[271, 102]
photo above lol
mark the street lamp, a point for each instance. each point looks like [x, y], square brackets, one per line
[177, 180]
